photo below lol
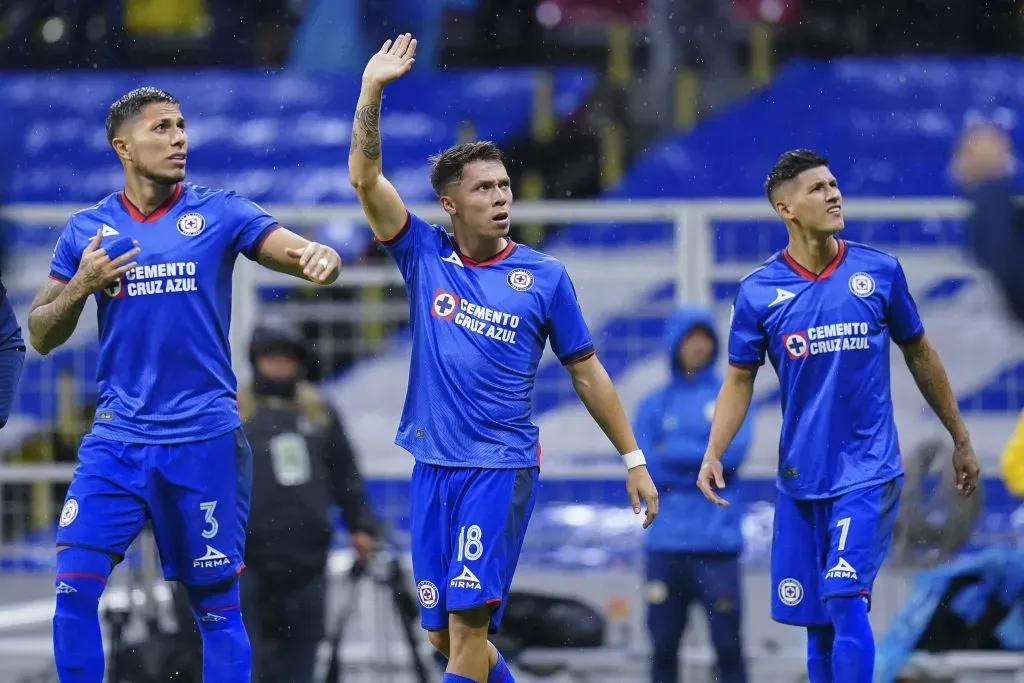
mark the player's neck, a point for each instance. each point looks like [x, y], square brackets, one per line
[480, 248]
[146, 195]
[813, 252]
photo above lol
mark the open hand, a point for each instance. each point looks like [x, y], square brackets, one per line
[710, 478]
[641, 487]
[319, 263]
[96, 270]
[392, 62]
[965, 464]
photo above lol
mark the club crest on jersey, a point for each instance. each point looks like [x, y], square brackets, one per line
[796, 344]
[427, 593]
[862, 284]
[115, 290]
[445, 305]
[191, 224]
[520, 280]
[69, 513]
[791, 592]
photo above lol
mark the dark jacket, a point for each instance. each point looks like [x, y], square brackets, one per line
[672, 426]
[303, 464]
[997, 238]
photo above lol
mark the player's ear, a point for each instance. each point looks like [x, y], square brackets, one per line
[448, 205]
[120, 145]
[784, 209]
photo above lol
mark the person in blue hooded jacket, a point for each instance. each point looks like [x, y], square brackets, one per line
[693, 554]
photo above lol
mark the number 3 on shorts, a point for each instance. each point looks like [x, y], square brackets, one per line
[213, 527]
[844, 529]
[471, 545]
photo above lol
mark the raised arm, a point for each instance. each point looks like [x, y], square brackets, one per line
[381, 203]
[54, 313]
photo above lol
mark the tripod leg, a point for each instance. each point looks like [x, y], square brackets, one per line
[405, 609]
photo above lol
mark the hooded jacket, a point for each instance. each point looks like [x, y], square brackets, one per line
[672, 426]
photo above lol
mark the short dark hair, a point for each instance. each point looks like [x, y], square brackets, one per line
[130, 104]
[446, 167]
[789, 166]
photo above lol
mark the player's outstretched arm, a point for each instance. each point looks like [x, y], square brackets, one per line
[381, 203]
[930, 375]
[292, 254]
[55, 311]
[595, 389]
[731, 408]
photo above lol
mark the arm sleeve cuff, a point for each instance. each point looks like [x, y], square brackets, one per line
[582, 354]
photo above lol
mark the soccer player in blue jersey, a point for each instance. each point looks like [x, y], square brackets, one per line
[166, 444]
[482, 309]
[823, 312]
[12, 355]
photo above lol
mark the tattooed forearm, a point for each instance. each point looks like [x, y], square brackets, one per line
[54, 315]
[366, 130]
[930, 375]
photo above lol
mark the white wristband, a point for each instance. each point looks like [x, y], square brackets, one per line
[634, 459]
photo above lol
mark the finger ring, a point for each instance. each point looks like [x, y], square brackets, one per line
[322, 263]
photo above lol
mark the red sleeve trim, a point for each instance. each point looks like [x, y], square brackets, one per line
[59, 278]
[263, 239]
[746, 366]
[401, 233]
[580, 358]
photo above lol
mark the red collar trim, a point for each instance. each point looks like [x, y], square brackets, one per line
[829, 269]
[134, 212]
[500, 256]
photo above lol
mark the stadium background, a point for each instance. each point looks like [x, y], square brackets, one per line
[639, 133]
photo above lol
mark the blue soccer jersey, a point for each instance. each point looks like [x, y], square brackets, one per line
[164, 373]
[479, 331]
[827, 336]
[10, 331]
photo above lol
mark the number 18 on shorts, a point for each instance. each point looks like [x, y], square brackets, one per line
[829, 548]
[467, 530]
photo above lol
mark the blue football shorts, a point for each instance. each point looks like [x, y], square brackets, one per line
[195, 494]
[467, 526]
[829, 548]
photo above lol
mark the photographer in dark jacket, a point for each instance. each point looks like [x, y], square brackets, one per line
[302, 465]
[984, 166]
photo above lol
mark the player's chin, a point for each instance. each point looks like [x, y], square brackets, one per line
[169, 176]
[832, 225]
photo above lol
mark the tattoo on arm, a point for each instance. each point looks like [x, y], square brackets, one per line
[366, 131]
[52, 317]
[930, 375]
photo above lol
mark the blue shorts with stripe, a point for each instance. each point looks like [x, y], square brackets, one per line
[829, 548]
[196, 495]
[468, 526]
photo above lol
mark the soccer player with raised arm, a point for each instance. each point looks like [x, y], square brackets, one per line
[823, 312]
[482, 309]
[166, 444]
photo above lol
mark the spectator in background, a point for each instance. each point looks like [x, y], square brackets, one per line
[302, 465]
[983, 165]
[693, 552]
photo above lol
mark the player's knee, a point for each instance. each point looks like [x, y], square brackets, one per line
[847, 612]
[441, 641]
[217, 608]
[849, 615]
[468, 629]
